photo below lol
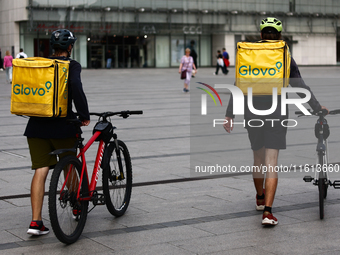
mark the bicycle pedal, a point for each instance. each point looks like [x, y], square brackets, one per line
[308, 178]
[336, 184]
[98, 199]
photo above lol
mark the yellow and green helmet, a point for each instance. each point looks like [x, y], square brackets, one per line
[271, 22]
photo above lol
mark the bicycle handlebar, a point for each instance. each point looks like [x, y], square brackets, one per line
[322, 112]
[124, 114]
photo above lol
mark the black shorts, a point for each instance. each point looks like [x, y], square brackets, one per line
[40, 149]
[272, 135]
[266, 131]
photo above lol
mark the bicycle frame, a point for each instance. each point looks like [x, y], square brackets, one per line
[95, 175]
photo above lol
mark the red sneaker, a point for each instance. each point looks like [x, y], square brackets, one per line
[269, 219]
[260, 203]
[37, 230]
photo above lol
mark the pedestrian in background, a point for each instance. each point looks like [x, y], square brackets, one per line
[21, 54]
[108, 59]
[225, 60]
[1, 69]
[193, 54]
[8, 66]
[220, 63]
[187, 64]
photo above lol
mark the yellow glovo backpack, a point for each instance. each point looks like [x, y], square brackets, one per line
[262, 65]
[39, 87]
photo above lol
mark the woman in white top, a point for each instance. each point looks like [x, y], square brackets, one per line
[187, 64]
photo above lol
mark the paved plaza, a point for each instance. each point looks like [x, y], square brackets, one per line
[173, 211]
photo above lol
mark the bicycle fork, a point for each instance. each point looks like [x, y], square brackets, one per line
[119, 160]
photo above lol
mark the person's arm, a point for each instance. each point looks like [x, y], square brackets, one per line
[297, 81]
[180, 68]
[229, 116]
[181, 65]
[78, 95]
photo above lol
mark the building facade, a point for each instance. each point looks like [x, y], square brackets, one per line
[155, 33]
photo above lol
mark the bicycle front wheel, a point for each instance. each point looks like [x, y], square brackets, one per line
[322, 188]
[67, 214]
[117, 179]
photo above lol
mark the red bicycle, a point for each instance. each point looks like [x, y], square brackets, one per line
[70, 190]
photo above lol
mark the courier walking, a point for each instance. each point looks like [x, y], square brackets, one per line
[47, 129]
[272, 67]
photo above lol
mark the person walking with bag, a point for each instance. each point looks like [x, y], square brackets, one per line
[185, 69]
[45, 135]
[21, 54]
[225, 60]
[8, 66]
[220, 63]
[267, 140]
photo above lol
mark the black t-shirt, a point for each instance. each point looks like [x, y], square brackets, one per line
[38, 127]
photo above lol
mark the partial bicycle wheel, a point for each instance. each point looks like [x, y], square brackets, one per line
[67, 214]
[117, 184]
[321, 187]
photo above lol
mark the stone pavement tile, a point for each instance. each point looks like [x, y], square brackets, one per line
[183, 213]
[312, 214]
[307, 238]
[6, 205]
[253, 250]
[152, 237]
[163, 248]
[241, 223]
[226, 242]
[100, 220]
[20, 202]
[335, 252]
[82, 246]
[6, 237]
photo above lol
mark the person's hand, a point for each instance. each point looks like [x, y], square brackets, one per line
[179, 71]
[228, 125]
[324, 108]
[85, 122]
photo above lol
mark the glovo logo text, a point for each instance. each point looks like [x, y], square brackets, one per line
[248, 70]
[23, 90]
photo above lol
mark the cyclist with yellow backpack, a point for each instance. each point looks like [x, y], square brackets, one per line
[271, 59]
[46, 134]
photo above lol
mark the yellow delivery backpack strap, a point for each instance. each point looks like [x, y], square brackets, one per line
[262, 66]
[39, 87]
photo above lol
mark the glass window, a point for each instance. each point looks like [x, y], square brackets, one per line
[147, 51]
[162, 51]
[205, 51]
[177, 50]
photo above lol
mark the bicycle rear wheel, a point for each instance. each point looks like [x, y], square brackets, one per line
[117, 185]
[67, 214]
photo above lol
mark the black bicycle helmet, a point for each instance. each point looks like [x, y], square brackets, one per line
[61, 39]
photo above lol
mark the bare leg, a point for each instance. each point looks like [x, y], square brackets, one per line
[271, 156]
[186, 86]
[258, 176]
[38, 191]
